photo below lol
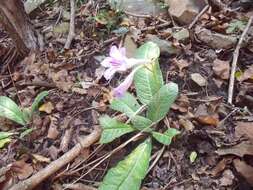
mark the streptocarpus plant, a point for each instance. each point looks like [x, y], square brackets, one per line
[154, 99]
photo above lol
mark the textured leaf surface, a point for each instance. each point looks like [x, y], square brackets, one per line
[165, 138]
[129, 173]
[162, 101]
[141, 123]
[9, 109]
[112, 129]
[127, 104]
[148, 80]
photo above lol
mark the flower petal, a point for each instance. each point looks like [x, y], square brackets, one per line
[108, 74]
[123, 87]
[107, 62]
[116, 53]
[134, 62]
[122, 51]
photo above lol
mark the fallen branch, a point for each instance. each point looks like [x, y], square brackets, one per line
[54, 166]
[198, 16]
[71, 34]
[235, 59]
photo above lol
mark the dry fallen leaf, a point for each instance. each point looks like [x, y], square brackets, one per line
[203, 116]
[22, 169]
[62, 80]
[52, 131]
[220, 166]
[244, 129]
[244, 148]
[221, 69]
[181, 64]
[48, 107]
[187, 124]
[245, 170]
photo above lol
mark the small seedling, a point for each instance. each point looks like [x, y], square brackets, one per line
[193, 156]
[10, 110]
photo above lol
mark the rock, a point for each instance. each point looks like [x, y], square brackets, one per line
[185, 10]
[31, 5]
[221, 69]
[166, 47]
[215, 40]
[198, 79]
[182, 34]
[140, 7]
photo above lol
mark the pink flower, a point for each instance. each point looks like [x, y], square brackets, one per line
[119, 91]
[118, 62]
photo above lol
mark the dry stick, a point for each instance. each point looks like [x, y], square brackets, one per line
[54, 166]
[71, 34]
[160, 153]
[198, 16]
[234, 63]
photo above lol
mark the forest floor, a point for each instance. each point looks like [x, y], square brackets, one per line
[199, 60]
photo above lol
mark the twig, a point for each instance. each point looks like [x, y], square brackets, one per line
[78, 186]
[137, 15]
[54, 166]
[160, 153]
[71, 34]
[156, 27]
[235, 59]
[198, 16]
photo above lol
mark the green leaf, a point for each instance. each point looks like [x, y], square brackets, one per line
[162, 101]
[236, 25]
[26, 132]
[9, 109]
[112, 129]
[149, 50]
[4, 141]
[4, 135]
[166, 137]
[27, 114]
[37, 101]
[193, 156]
[129, 173]
[141, 123]
[127, 104]
[5, 138]
[148, 79]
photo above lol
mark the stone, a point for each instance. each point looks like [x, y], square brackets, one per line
[184, 11]
[31, 5]
[139, 7]
[215, 40]
[165, 46]
[198, 79]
